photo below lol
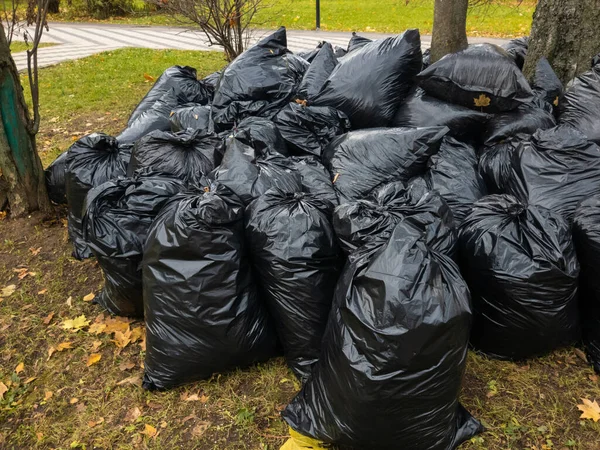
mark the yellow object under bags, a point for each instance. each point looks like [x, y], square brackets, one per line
[300, 442]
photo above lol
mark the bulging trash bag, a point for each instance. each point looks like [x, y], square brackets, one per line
[495, 164]
[310, 55]
[297, 260]
[596, 60]
[258, 82]
[188, 155]
[368, 84]
[91, 161]
[211, 81]
[317, 73]
[55, 179]
[395, 348]
[339, 52]
[118, 216]
[183, 80]
[357, 42]
[315, 178]
[203, 312]
[421, 110]
[249, 176]
[360, 161]
[193, 116]
[453, 173]
[586, 234]
[526, 119]
[263, 135]
[520, 264]
[426, 58]
[517, 49]
[482, 77]
[546, 83]
[307, 130]
[555, 169]
[580, 106]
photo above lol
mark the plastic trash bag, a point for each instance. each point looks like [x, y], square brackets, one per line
[203, 312]
[520, 264]
[555, 169]
[211, 81]
[546, 83]
[580, 106]
[193, 116]
[118, 216]
[310, 55]
[422, 110]
[339, 52]
[586, 234]
[91, 161]
[188, 155]
[314, 177]
[368, 84]
[258, 82]
[481, 77]
[395, 348]
[596, 60]
[517, 49]
[357, 42]
[426, 58]
[55, 179]
[308, 130]
[317, 73]
[263, 135]
[495, 164]
[185, 82]
[297, 261]
[360, 161]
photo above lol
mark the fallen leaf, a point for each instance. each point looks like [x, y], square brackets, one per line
[22, 272]
[96, 328]
[126, 365]
[149, 431]
[93, 359]
[163, 424]
[70, 302]
[39, 436]
[93, 423]
[80, 408]
[192, 398]
[35, 251]
[75, 324]
[88, 298]
[51, 351]
[122, 340]
[131, 380]
[96, 345]
[8, 291]
[482, 101]
[190, 417]
[590, 410]
[593, 378]
[43, 292]
[3, 390]
[149, 77]
[114, 324]
[19, 368]
[64, 345]
[133, 414]
[581, 355]
[335, 178]
[29, 380]
[136, 334]
[200, 428]
[73, 400]
[48, 395]
[204, 398]
[48, 318]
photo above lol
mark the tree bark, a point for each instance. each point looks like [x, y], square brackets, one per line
[449, 28]
[567, 32]
[21, 173]
[54, 6]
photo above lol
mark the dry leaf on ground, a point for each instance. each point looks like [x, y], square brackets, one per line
[133, 414]
[20, 367]
[131, 380]
[590, 410]
[75, 324]
[48, 318]
[8, 291]
[48, 395]
[64, 345]
[149, 431]
[93, 359]
[88, 298]
[3, 390]
[93, 423]
[200, 428]
[126, 365]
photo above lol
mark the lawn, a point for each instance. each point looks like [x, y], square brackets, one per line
[60, 395]
[20, 46]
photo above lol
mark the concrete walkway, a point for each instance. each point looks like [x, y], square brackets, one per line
[78, 40]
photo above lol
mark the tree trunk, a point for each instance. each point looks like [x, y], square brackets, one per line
[21, 171]
[54, 6]
[567, 32]
[449, 28]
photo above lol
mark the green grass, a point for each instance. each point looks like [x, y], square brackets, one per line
[20, 46]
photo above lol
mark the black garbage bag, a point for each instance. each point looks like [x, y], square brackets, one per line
[454, 174]
[310, 55]
[203, 312]
[250, 176]
[580, 106]
[426, 58]
[188, 155]
[555, 169]
[482, 77]
[526, 119]
[91, 161]
[495, 164]
[55, 179]
[596, 60]
[370, 82]
[296, 257]
[118, 216]
[520, 264]
[357, 42]
[193, 116]
[360, 161]
[314, 177]
[395, 348]
[546, 83]
[263, 135]
[211, 81]
[183, 80]
[517, 49]
[339, 52]
[586, 234]
[307, 130]
[317, 73]
[259, 82]
[422, 110]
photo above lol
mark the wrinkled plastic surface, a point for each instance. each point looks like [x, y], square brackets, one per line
[315, 178]
[184, 80]
[203, 312]
[517, 49]
[495, 164]
[211, 81]
[426, 58]
[317, 73]
[297, 259]
[521, 267]
[55, 179]
[555, 169]
[360, 161]
[546, 83]
[91, 161]
[357, 41]
[369, 83]
[586, 234]
[395, 347]
[310, 55]
[188, 155]
[580, 106]
[308, 130]
[482, 77]
[262, 135]
[193, 116]
[596, 60]
[422, 110]
[339, 52]
[258, 82]
[118, 216]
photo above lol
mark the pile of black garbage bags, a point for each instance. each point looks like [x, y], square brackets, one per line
[364, 216]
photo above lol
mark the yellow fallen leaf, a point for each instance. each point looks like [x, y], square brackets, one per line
[73, 400]
[8, 291]
[3, 390]
[48, 318]
[70, 302]
[114, 324]
[122, 340]
[51, 351]
[43, 292]
[19, 368]
[88, 298]
[555, 102]
[93, 359]
[35, 251]
[136, 334]
[148, 77]
[133, 414]
[93, 423]
[39, 436]
[200, 428]
[29, 380]
[97, 328]
[482, 101]
[590, 410]
[75, 324]
[192, 398]
[131, 380]
[149, 431]
[204, 398]
[48, 395]
[64, 345]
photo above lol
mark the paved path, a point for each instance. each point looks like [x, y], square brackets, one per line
[78, 40]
